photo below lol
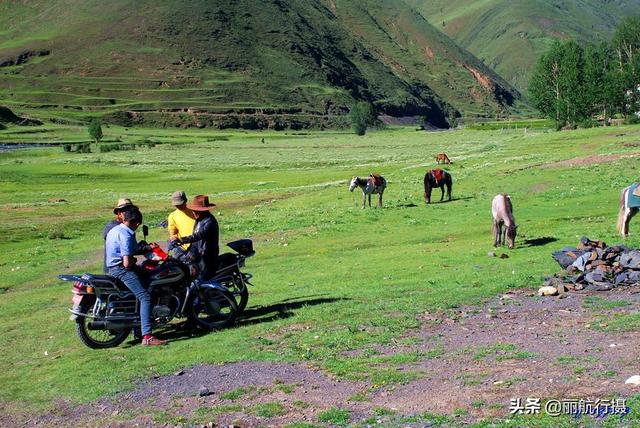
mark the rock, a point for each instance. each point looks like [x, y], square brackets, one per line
[504, 256]
[633, 380]
[491, 254]
[179, 373]
[547, 291]
[204, 391]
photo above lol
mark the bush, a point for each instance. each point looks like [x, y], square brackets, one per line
[589, 123]
[56, 234]
[83, 148]
[105, 148]
[632, 120]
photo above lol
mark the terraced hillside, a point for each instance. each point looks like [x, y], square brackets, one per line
[230, 63]
[509, 35]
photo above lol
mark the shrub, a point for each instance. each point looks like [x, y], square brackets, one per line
[632, 120]
[105, 148]
[56, 234]
[83, 148]
[589, 123]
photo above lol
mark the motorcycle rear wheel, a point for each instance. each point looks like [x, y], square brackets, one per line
[212, 309]
[99, 339]
[241, 293]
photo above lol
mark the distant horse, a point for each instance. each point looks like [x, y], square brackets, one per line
[629, 207]
[375, 183]
[442, 157]
[437, 178]
[503, 216]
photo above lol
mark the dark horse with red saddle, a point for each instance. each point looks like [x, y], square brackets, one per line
[437, 178]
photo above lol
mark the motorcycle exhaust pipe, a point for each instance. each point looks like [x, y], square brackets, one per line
[111, 325]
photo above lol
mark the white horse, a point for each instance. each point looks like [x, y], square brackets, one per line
[375, 183]
[628, 209]
[503, 216]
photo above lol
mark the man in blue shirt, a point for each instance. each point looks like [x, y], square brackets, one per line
[121, 245]
[122, 205]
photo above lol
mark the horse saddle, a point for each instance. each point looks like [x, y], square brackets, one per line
[377, 179]
[633, 196]
[437, 175]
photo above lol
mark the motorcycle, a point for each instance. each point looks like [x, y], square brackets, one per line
[105, 310]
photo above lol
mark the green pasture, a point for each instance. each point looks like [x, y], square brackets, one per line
[330, 277]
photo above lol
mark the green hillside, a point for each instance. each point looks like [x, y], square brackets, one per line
[509, 35]
[251, 64]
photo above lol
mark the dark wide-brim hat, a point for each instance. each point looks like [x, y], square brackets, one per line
[200, 203]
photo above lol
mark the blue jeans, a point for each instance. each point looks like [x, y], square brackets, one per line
[133, 283]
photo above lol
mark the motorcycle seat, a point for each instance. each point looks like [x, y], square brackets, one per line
[105, 281]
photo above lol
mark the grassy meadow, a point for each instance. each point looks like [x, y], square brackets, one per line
[329, 276]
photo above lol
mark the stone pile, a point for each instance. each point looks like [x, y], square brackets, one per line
[593, 265]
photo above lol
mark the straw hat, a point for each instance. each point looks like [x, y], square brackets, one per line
[122, 203]
[200, 203]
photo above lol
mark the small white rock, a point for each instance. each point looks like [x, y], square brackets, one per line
[547, 290]
[633, 380]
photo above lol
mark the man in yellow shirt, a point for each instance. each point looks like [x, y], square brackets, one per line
[182, 220]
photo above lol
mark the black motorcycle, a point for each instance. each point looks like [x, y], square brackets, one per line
[105, 310]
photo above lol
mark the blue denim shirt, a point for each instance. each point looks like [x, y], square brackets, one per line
[121, 241]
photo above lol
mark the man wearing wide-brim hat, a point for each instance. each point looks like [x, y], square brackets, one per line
[204, 240]
[122, 205]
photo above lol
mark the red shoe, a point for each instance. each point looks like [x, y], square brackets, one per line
[153, 341]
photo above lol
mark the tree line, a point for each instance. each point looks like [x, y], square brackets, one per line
[574, 85]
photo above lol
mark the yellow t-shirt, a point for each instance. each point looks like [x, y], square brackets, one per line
[181, 224]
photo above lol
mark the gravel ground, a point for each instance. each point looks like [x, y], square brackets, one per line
[475, 360]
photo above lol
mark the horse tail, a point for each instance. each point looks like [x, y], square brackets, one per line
[621, 211]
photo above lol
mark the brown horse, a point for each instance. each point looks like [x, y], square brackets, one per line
[442, 157]
[437, 178]
[502, 211]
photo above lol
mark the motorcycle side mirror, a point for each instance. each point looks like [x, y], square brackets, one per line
[145, 231]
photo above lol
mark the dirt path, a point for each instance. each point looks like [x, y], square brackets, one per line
[474, 360]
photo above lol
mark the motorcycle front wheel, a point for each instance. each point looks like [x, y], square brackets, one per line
[99, 339]
[212, 309]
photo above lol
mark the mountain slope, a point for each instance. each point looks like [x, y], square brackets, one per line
[509, 35]
[214, 63]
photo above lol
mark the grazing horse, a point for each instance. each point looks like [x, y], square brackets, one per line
[442, 157]
[437, 178]
[503, 216]
[629, 207]
[375, 183]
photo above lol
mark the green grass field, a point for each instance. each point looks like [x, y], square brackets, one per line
[330, 277]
